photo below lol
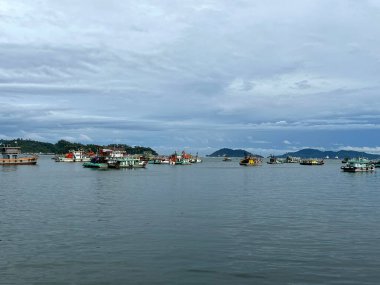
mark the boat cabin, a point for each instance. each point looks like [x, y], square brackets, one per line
[9, 152]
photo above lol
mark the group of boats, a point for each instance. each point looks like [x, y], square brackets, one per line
[114, 158]
[118, 158]
[351, 165]
[176, 159]
[252, 161]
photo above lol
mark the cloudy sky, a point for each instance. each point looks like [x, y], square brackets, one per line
[267, 76]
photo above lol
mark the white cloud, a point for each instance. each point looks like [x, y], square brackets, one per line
[374, 150]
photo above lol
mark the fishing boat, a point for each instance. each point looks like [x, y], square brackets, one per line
[13, 156]
[159, 160]
[97, 162]
[292, 159]
[226, 159]
[183, 159]
[358, 165]
[195, 159]
[154, 161]
[126, 162]
[250, 161]
[312, 161]
[75, 156]
[275, 160]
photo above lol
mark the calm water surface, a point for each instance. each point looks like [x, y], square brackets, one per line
[210, 223]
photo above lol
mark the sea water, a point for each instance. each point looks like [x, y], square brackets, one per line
[209, 223]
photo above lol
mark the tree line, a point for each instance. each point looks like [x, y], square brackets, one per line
[63, 146]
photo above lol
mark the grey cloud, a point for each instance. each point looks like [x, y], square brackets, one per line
[130, 70]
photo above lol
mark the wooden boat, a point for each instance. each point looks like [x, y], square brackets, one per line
[250, 161]
[312, 161]
[358, 165]
[12, 156]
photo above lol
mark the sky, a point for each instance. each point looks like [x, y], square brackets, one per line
[266, 76]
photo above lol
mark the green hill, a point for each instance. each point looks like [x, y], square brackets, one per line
[63, 146]
[232, 153]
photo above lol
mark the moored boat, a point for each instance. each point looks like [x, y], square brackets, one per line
[115, 158]
[97, 162]
[275, 160]
[75, 156]
[226, 159]
[195, 159]
[126, 162]
[312, 161]
[292, 159]
[250, 161]
[12, 156]
[183, 159]
[358, 165]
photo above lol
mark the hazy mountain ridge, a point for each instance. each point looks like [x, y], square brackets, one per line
[303, 153]
[315, 153]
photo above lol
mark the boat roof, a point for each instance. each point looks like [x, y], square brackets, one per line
[11, 149]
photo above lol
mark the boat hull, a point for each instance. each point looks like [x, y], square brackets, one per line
[127, 163]
[250, 161]
[358, 169]
[95, 165]
[312, 162]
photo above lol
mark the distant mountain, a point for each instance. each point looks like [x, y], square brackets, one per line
[315, 153]
[232, 153]
[62, 146]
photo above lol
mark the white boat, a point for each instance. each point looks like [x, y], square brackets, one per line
[75, 156]
[126, 162]
[118, 158]
[195, 159]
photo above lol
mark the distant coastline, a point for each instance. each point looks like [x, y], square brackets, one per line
[303, 153]
[63, 146]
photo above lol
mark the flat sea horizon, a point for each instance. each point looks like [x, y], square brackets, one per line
[213, 222]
